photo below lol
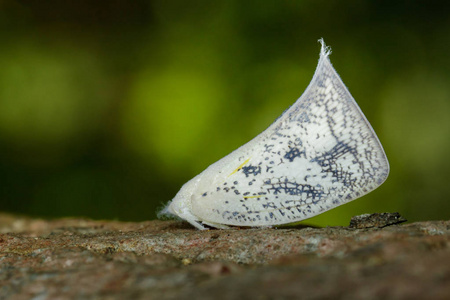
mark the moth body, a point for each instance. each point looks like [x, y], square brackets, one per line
[319, 154]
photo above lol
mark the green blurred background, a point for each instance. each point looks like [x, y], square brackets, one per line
[108, 107]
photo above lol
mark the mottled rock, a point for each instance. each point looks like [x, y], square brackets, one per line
[379, 220]
[85, 259]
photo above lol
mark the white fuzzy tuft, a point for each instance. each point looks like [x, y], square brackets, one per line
[165, 213]
[325, 50]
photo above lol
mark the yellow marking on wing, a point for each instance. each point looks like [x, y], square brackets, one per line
[248, 197]
[240, 167]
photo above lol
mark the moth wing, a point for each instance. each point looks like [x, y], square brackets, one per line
[319, 154]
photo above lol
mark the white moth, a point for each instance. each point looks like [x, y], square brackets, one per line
[319, 154]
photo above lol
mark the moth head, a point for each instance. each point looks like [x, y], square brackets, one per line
[181, 204]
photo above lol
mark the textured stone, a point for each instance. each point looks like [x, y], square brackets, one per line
[85, 259]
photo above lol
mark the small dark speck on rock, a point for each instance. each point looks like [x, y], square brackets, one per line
[376, 220]
[215, 236]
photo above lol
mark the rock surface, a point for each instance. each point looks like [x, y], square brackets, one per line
[85, 259]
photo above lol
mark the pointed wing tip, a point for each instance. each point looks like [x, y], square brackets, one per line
[325, 50]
